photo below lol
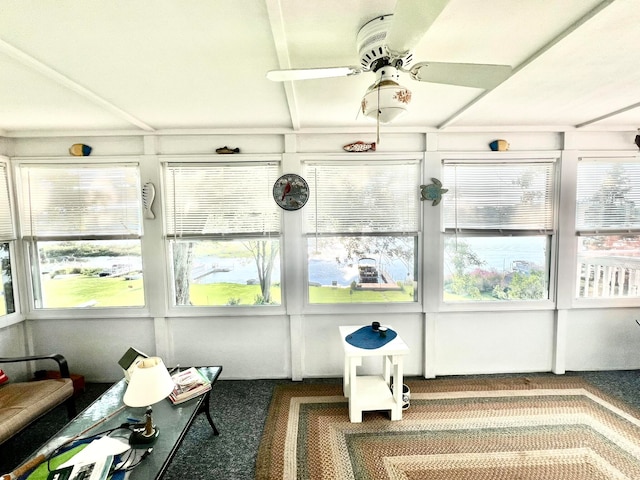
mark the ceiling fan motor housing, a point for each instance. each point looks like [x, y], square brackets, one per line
[372, 48]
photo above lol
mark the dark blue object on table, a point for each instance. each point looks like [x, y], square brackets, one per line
[367, 337]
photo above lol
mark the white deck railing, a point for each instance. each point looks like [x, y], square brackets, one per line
[603, 277]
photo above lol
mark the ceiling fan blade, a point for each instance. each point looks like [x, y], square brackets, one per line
[475, 75]
[411, 20]
[311, 73]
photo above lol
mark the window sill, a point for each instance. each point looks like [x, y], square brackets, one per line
[11, 319]
[88, 313]
[610, 302]
[497, 306]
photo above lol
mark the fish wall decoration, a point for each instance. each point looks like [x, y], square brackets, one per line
[227, 150]
[360, 146]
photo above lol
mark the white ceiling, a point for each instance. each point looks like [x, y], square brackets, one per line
[160, 65]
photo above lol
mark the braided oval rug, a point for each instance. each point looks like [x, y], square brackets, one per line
[551, 428]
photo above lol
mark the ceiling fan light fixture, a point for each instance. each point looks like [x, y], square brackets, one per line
[386, 100]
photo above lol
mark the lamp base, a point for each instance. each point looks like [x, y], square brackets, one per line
[139, 439]
[142, 437]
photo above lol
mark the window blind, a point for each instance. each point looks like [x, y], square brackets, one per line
[80, 201]
[221, 199]
[6, 225]
[363, 197]
[608, 195]
[498, 196]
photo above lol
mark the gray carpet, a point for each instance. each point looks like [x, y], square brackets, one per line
[239, 409]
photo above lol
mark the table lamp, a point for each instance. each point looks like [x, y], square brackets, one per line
[150, 382]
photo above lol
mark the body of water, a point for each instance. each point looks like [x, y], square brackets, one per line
[229, 270]
[321, 271]
[498, 253]
[131, 262]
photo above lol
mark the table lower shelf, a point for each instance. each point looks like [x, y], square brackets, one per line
[371, 393]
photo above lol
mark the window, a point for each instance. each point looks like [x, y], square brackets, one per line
[82, 226]
[362, 225]
[223, 232]
[499, 224]
[608, 227]
[7, 236]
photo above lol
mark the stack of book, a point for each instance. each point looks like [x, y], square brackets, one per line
[189, 384]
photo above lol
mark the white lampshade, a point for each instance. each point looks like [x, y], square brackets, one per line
[150, 382]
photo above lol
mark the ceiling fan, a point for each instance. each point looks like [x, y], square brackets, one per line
[385, 46]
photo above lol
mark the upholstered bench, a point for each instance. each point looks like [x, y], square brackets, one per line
[23, 402]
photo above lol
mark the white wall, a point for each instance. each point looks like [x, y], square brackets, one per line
[472, 342]
[298, 341]
[13, 343]
[603, 339]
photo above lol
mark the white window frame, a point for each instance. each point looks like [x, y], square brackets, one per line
[507, 305]
[166, 161]
[25, 240]
[600, 301]
[401, 307]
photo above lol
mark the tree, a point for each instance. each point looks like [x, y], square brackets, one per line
[182, 261]
[462, 256]
[611, 200]
[527, 287]
[264, 253]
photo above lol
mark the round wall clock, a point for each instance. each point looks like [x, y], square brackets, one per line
[291, 191]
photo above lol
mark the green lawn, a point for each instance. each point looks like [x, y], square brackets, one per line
[346, 295]
[229, 294]
[76, 290]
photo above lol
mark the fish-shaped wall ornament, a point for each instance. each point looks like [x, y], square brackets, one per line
[360, 146]
[226, 150]
[148, 196]
[433, 191]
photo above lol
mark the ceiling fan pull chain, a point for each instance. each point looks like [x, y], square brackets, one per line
[378, 118]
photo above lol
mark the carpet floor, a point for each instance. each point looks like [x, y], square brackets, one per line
[527, 428]
[239, 409]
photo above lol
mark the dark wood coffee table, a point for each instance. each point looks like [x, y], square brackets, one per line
[108, 411]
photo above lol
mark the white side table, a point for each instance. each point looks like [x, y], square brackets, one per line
[373, 392]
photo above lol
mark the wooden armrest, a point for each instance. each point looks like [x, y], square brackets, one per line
[59, 359]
